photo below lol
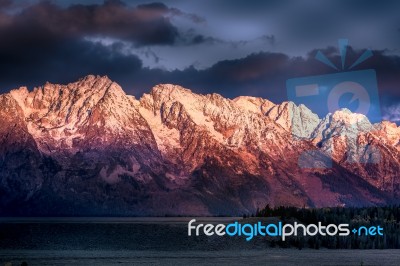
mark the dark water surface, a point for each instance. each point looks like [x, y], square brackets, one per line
[154, 241]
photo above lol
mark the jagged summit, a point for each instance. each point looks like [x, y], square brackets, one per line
[89, 146]
[254, 104]
[169, 89]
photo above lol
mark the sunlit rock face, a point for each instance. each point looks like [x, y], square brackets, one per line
[87, 148]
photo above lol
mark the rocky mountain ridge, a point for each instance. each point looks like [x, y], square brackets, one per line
[87, 148]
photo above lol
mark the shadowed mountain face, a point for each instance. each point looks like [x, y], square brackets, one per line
[87, 148]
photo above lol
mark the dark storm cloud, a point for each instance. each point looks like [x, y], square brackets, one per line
[66, 62]
[244, 8]
[368, 6]
[46, 42]
[142, 25]
[265, 74]
[5, 3]
[261, 74]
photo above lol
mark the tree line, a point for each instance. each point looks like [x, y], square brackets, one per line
[386, 217]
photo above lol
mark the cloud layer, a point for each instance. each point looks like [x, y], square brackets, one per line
[139, 45]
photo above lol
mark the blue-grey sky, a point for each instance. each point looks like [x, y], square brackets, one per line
[229, 47]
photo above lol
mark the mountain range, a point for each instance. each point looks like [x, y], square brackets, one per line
[89, 149]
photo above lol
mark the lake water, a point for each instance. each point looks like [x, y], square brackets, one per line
[154, 241]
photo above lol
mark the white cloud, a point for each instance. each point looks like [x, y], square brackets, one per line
[392, 113]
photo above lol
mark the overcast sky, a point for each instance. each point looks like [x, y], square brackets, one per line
[229, 47]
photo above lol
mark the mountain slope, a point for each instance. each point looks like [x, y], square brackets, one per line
[87, 148]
